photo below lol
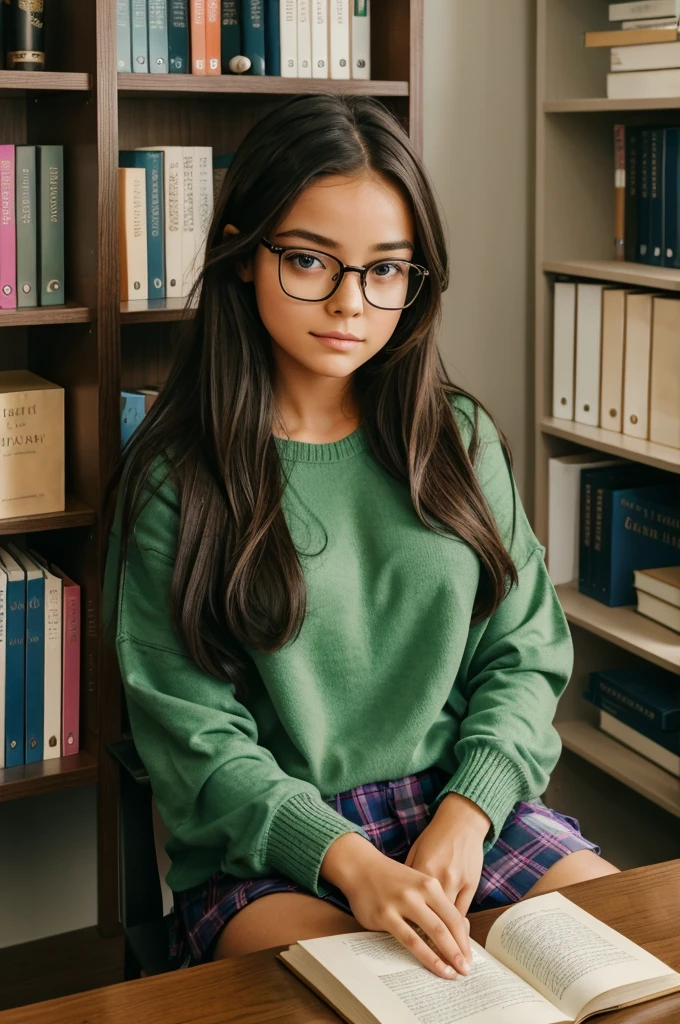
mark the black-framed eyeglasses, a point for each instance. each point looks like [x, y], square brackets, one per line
[312, 276]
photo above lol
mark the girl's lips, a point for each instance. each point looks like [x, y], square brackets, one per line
[342, 344]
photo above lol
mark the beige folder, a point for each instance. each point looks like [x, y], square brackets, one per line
[664, 421]
[636, 365]
[613, 341]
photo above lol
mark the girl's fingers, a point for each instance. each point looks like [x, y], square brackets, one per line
[449, 935]
[404, 934]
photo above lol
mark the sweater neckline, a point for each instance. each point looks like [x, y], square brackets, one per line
[331, 451]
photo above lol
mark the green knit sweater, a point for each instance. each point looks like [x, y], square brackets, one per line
[386, 678]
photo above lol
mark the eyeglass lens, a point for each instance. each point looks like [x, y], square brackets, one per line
[391, 284]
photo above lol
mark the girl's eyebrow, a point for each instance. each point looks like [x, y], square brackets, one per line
[312, 236]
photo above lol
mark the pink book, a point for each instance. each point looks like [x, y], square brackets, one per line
[70, 705]
[8, 237]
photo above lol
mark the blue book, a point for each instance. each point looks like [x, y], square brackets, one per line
[644, 533]
[252, 28]
[35, 654]
[656, 163]
[670, 740]
[632, 174]
[123, 36]
[152, 162]
[140, 36]
[652, 694]
[15, 667]
[157, 27]
[178, 36]
[644, 219]
[231, 32]
[272, 36]
[671, 168]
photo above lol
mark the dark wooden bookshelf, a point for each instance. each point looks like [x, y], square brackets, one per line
[94, 346]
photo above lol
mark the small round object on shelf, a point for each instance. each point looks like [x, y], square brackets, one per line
[239, 64]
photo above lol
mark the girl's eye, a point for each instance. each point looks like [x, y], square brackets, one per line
[303, 261]
[386, 271]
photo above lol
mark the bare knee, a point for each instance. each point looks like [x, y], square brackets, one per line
[278, 919]
[575, 867]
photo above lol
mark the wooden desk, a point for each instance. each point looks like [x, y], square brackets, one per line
[643, 904]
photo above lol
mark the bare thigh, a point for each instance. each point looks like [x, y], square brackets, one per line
[280, 918]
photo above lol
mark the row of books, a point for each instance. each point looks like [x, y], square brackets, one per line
[134, 405]
[31, 445]
[288, 38]
[31, 226]
[607, 519]
[658, 595]
[165, 205]
[39, 659]
[616, 360]
[644, 49]
[647, 189]
[22, 35]
[641, 709]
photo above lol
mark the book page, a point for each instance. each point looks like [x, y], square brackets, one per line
[398, 989]
[567, 954]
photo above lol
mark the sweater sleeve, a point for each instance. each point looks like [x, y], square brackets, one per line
[216, 788]
[516, 665]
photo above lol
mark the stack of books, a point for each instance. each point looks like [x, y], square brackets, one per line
[658, 594]
[39, 659]
[641, 710]
[31, 226]
[616, 360]
[134, 405]
[165, 205]
[289, 38]
[645, 49]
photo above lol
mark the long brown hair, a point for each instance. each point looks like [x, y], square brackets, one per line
[237, 577]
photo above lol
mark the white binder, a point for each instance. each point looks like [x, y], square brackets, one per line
[588, 351]
[564, 339]
[636, 365]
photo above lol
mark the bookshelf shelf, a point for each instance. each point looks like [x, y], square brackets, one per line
[169, 85]
[622, 626]
[17, 83]
[69, 313]
[618, 272]
[45, 776]
[622, 763]
[76, 513]
[600, 105]
[621, 445]
[153, 311]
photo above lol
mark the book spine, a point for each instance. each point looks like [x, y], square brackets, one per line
[3, 661]
[197, 37]
[26, 42]
[134, 281]
[15, 677]
[361, 39]
[667, 739]
[656, 241]
[304, 38]
[52, 286]
[140, 37]
[288, 33]
[600, 577]
[26, 220]
[643, 9]
[631, 214]
[231, 33]
[53, 668]
[585, 524]
[643, 202]
[173, 180]
[272, 37]
[619, 190]
[133, 410]
[178, 37]
[253, 35]
[671, 206]
[123, 36]
[157, 24]
[645, 535]
[213, 37]
[660, 718]
[203, 185]
[155, 228]
[320, 55]
[340, 35]
[8, 247]
[35, 668]
[189, 247]
[70, 741]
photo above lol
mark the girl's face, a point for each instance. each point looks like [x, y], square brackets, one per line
[359, 220]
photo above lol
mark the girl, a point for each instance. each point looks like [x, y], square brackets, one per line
[340, 647]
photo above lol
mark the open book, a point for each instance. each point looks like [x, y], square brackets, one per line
[546, 961]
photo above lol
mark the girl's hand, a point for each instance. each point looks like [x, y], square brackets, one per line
[385, 895]
[450, 849]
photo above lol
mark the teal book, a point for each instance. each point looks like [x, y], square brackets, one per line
[123, 36]
[140, 36]
[178, 36]
[152, 162]
[253, 36]
[272, 37]
[27, 226]
[231, 32]
[157, 25]
[51, 220]
[35, 655]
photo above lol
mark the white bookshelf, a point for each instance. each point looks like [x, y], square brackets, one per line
[574, 236]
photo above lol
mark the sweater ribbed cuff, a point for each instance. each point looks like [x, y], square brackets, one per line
[490, 780]
[300, 833]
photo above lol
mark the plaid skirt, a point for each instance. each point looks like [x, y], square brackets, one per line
[393, 814]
